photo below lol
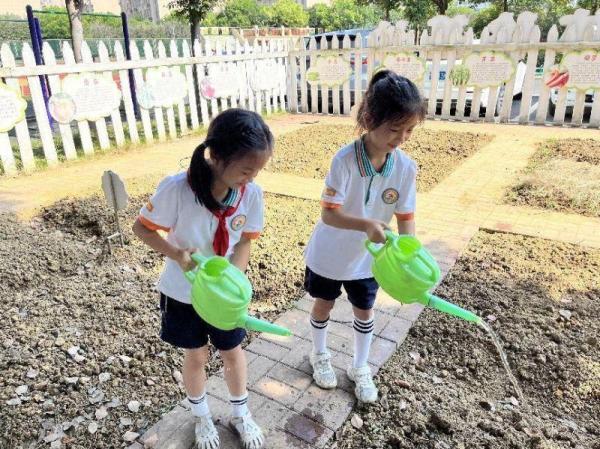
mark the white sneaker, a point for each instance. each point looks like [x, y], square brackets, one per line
[365, 389]
[323, 373]
[207, 436]
[248, 430]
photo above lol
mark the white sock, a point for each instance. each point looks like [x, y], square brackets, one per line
[363, 334]
[199, 405]
[319, 334]
[239, 405]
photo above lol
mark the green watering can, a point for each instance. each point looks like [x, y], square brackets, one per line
[221, 294]
[406, 271]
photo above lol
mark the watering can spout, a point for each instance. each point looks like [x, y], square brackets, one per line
[255, 324]
[452, 309]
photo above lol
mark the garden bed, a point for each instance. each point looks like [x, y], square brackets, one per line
[308, 151]
[562, 175]
[445, 387]
[61, 290]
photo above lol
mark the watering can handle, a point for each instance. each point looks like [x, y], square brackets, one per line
[389, 236]
[191, 275]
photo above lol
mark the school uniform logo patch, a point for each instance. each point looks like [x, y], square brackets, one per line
[238, 222]
[390, 196]
[149, 206]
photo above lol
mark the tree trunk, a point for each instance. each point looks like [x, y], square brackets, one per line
[74, 8]
[387, 14]
[505, 5]
[194, 29]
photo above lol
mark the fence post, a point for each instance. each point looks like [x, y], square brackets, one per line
[125, 24]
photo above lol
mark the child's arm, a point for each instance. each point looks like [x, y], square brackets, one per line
[159, 244]
[336, 217]
[405, 226]
[241, 253]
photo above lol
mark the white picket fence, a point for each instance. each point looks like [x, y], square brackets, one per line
[65, 141]
[446, 44]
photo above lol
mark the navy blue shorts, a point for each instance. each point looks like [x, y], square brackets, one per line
[361, 292]
[181, 326]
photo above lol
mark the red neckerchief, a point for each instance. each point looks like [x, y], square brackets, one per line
[221, 238]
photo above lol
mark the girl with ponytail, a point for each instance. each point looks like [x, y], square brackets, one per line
[213, 208]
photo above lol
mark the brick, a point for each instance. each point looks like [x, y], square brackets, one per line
[307, 430]
[396, 330]
[295, 320]
[340, 344]
[343, 383]
[381, 320]
[167, 425]
[271, 414]
[410, 312]
[280, 439]
[290, 376]
[220, 408]
[343, 361]
[277, 391]
[298, 357]
[258, 368]
[381, 351]
[386, 304]
[328, 407]
[216, 387]
[287, 342]
[267, 349]
[342, 310]
[305, 303]
[343, 330]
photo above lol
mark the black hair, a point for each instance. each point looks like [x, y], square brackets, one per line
[232, 134]
[389, 98]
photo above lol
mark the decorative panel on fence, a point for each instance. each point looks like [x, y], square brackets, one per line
[508, 75]
[58, 111]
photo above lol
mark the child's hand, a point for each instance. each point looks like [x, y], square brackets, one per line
[375, 230]
[184, 259]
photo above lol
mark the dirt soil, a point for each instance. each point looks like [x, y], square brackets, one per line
[562, 175]
[445, 387]
[307, 152]
[80, 356]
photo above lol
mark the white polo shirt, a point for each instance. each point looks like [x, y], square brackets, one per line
[354, 185]
[173, 208]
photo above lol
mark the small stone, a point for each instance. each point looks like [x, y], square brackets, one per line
[415, 356]
[134, 406]
[402, 405]
[32, 373]
[403, 384]
[491, 318]
[55, 435]
[67, 425]
[73, 350]
[93, 427]
[96, 395]
[514, 401]
[177, 376]
[101, 413]
[125, 422]
[151, 441]
[437, 380]
[13, 402]
[125, 359]
[71, 380]
[487, 405]
[356, 421]
[566, 314]
[592, 341]
[130, 436]
[115, 402]
[56, 444]
[441, 423]
[104, 377]
[150, 382]
[59, 341]
[21, 390]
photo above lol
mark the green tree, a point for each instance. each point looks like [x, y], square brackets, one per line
[288, 13]
[192, 11]
[242, 13]
[319, 16]
[386, 6]
[592, 5]
[417, 13]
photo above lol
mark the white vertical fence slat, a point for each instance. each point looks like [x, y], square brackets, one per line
[55, 87]
[82, 125]
[257, 94]
[162, 54]
[115, 115]
[528, 82]
[335, 90]
[21, 129]
[181, 113]
[158, 113]
[247, 65]
[314, 92]
[265, 48]
[139, 82]
[100, 124]
[544, 95]
[356, 73]
[126, 93]
[303, 84]
[200, 68]
[189, 76]
[214, 107]
[39, 108]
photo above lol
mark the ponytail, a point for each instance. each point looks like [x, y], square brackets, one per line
[200, 178]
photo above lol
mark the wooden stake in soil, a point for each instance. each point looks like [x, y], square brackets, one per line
[117, 197]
